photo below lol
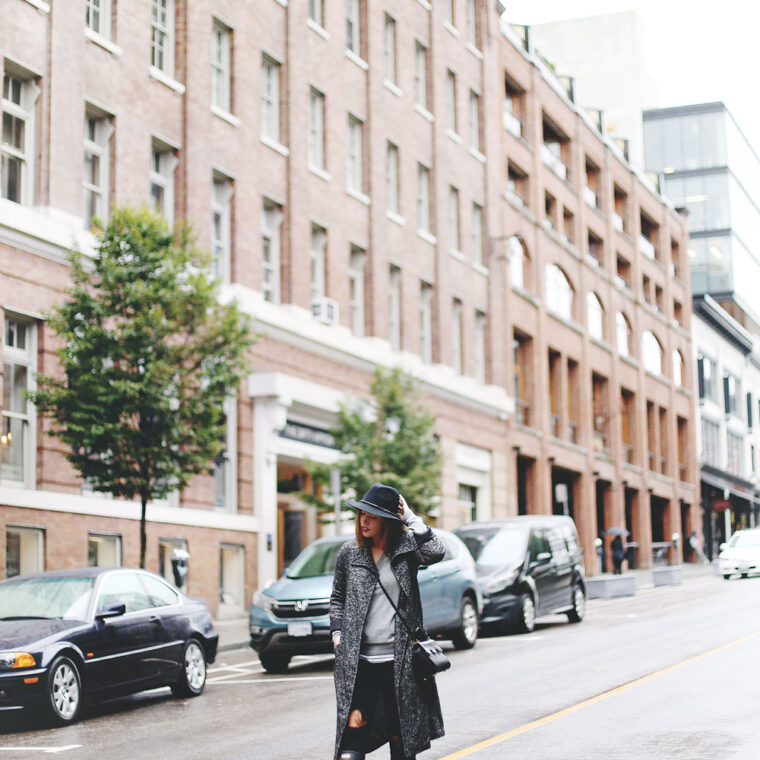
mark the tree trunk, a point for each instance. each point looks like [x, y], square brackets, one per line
[144, 504]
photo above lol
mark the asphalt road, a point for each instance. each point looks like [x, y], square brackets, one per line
[670, 673]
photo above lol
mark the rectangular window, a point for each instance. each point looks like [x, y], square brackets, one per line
[166, 553]
[456, 335]
[749, 411]
[162, 36]
[354, 162]
[472, 23]
[221, 68]
[97, 141]
[710, 438]
[271, 220]
[451, 101]
[163, 162]
[391, 178]
[18, 423]
[231, 577]
[24, 551]
[707, 377]
[734, 445]
[468, 502]
[475, 121]
[394, 308]
[103, 550]
[420, 75]
[98, 17]
[270, 99]
[426, 323]
[17, 146]
[476, 234]
[224, 471]
[316, 12]
[454, 226]
[353, 27]
[389, 49]
[317, 257]
[423, 198]
[730, 395]
[356, 289]
[316, 146]
[221, 227]
[450, 12]
[481, 323]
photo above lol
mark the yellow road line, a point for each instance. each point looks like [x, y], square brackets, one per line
[592, 701]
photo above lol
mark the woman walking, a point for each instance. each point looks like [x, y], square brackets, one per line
[379, 699]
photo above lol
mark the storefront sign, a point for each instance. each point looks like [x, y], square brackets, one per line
[721, 505]
[295, 431]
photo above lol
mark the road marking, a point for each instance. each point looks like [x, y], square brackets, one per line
[235, 665]
[592, 700]
[273, 680]
[44, 750]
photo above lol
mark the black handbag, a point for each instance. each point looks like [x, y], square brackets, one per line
[427, 656]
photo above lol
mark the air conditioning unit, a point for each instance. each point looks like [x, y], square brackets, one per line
[325, 310]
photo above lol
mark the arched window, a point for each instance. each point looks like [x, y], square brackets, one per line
[559, 292]
[595, 316]
[519, 263]
[677, 368]
[623, 333]
[652, 353]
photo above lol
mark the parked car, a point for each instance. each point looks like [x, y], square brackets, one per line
[291, 616]
[71, 636]
[741, 554]
[527, 567]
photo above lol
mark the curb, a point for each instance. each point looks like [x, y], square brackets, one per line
[232, 645]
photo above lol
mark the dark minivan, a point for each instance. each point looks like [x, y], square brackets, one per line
[527, 567]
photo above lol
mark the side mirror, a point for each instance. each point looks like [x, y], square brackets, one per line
[541, 559]
[422, 567]
[113, 610]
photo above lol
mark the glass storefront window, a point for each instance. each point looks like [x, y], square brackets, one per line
[24, 551]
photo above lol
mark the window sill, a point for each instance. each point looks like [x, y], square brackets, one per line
[165, 79]
[476, 154]
[225, 116]
[453, 136]
[317, 29]
[485, 271]
[394, 88]
[454, 253]
[477, 53]
[425, 235]
[395, 218]
[451, 29]
[359, 196]
[422, 111]
[39, 5]
[283, 3]
[275, 145]
[425, 4]
[360, 62]
[321, 173]
[102, 42]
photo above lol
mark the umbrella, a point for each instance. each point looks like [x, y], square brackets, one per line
[617, 532]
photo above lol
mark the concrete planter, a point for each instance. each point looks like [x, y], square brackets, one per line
[669, 575]
[608, 586]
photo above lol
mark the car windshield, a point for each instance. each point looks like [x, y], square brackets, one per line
[496, 546]
[316, 559]
[744, 540]
[46, 598]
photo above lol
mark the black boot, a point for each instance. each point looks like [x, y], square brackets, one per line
[397, 752]
[350, 754]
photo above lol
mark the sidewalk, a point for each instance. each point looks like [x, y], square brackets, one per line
[233, 633]
[689, 572]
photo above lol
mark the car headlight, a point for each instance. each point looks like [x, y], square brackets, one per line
[262, 601]
[12, 660]
[499, 581]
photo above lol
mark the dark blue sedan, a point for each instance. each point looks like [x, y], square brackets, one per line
[72, 636]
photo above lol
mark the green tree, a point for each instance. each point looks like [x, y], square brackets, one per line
[148, 356]
[390, 439]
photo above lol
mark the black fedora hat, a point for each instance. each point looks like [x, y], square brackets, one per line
[380, 500]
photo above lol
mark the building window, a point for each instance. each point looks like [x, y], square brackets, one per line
[623, 333]
[420, 75]
[456, 335]
[356, 289]
[476, 234]
[316, 146]
[472, 23]
[17, 146]
[18, 419]
[353, 27]
[98, 17]
[163, 162]
[652, 353]
[450, 12]
[734, 445]
[166, 549]
[451, 102]
[317, 257]
[710, 442]
[271, 220]
[221, 227]
[423, 198]
[559, 292]
[97, 141]
[270, 99]
[231, 577]
[225, 476]
[162, 36]
[730, 395]
[468, 502]
[677, 368]
[454, 226]
[475, 121]
[391, 178]
[595, 315]
[394, 308]
[103, 550]
[749, 412]
[707, 371]
[389, 49]
[354, 162]
[221, 68]
[517, 262]
[24, 551]
[481, 323]
[316, 11]
[426, 322]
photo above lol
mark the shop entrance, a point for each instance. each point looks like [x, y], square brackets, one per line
[296, 521]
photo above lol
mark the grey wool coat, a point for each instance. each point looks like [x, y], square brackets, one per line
[355, 578]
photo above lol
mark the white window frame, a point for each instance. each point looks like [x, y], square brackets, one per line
[230, 459]
[221, 67]
[394, 308]
[316, 134]
[560, 295]
[476, 234]
[270, 98]
[455, 227]
[317, 256]
[481, 323]
[163, 162]
[475, 121]
[420, 75]
[456, 335]
[452, 121]
[316, 12]
[97, 145]
[222, 190]
[426, 323]
[162, 36]
[25, 357]
[471, 24]
[678, 366]
[100, 9]
[354, 155]
[357, 261]
[623, 334]
[24, 111]
[516, 263]
[353, 27]
[652, 354]
[392, 195]
[390, 71]
[594, 316]
[32, 533]
[450, 13]
[423, 198]
[271, 221]
[105, 538]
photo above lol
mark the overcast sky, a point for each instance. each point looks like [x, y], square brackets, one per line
[699, 51]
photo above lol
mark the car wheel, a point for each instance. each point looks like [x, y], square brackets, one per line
[745, 575]
[64, 691]
[527, 614]
[576, 614]
[467, 634]
[275, 663]
[726, 576]
[193, 678]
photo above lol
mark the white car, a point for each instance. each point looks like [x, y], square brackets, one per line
[741, 554]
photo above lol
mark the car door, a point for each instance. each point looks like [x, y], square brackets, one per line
[427, 580]
[563, 569]
[173, 624]
[542, 572]
[449, 583]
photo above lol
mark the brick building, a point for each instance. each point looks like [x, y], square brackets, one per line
[387, 183]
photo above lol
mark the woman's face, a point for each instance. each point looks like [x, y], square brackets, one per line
[371, 525]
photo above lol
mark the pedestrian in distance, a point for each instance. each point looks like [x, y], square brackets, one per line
[379, 699]
[618, 554]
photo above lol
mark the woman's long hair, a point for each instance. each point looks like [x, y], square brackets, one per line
[390, 533]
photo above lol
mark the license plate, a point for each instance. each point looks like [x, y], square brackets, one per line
[300, 628]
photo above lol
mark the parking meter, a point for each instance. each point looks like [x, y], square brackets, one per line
[180, 562]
